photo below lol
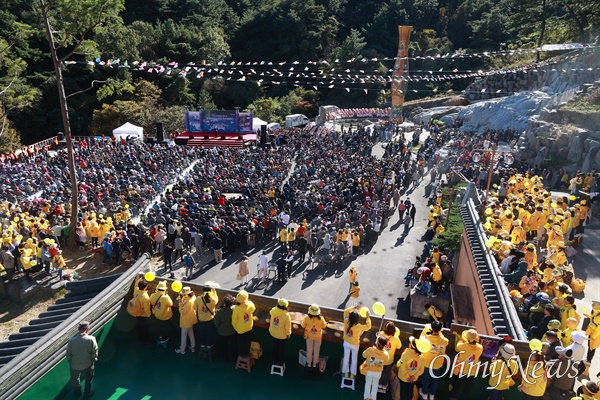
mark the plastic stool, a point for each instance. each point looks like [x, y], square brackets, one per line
[347, 383]
[244, 363]
[277, 369]
[206, 352]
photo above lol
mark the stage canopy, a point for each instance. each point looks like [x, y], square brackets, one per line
[257, 122]
[129, 130]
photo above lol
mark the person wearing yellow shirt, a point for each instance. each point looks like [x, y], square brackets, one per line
[531, 256]
[536, 223]
[313, 325]
[503, 367]
[283, 238]
[352, 333]
[162, 304]
[393, 345]
[517, 235]
[93, 232]
[242, 319]
[568, 309]
[353, 274]
[588, 390]
[375, 357]
[593, 331]
[534, 378]
[355, 242]
[411, 365]
[280, 328]
[466, 364]
[187, 319]
[139, 307]
[205, 306]
[567, 338]
[433, 359]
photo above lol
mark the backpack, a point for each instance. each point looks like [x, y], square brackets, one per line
[134, 307]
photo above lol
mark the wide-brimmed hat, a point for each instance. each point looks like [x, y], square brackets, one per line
[471, 336]
[162, 285]
[282, 303]
[314, 310]
[579, 337]
[507, 351]
[186, 290]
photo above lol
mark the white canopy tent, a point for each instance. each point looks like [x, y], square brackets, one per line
[129, 130]
[257, 122]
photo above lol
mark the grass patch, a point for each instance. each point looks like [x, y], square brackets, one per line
[588, 103]
[449, 240]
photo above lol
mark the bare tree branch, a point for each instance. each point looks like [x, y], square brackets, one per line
[11, 82]
[85, 90]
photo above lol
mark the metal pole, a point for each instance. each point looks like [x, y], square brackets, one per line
[449, 206]
[490, 171]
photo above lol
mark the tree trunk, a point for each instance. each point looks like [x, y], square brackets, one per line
[542, 29]
[66, 123]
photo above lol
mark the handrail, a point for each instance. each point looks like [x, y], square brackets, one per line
[512, 318]
[29, 366]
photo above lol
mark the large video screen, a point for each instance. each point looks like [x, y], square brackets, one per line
[193, 121]
[222, 121]
[245, 122]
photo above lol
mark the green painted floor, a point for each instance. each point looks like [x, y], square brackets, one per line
[127, 370]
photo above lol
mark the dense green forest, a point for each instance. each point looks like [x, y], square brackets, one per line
[247, 31]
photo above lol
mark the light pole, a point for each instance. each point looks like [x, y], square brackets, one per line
[508, 159]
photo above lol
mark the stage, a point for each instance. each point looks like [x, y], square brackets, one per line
[211, 139]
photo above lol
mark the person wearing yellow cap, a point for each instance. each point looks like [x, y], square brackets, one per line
[205, 306]
[411, 365]
[242, 320]
[375, 357]
[393, 345]
[280, 328]
[352, 333]
[469, 351]
[162, 304]
[433, 359]
[502, 369]
[313, 325]
[187, 319]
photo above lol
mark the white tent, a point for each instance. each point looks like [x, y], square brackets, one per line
[129, 130]
[257, 122]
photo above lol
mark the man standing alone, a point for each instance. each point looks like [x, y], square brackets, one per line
[82, 353]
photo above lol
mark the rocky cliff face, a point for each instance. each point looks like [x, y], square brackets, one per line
[552, 134]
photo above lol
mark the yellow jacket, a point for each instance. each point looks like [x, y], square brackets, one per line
[567, 311]
[467, 358]
[187, 315]
[161, 306]
[375, 359]
[534, 379]
[353, 334]
[144, 299]
[206, 312]
[501, 373]
[313, 327]
[242, 317]
[438, 348]
[280, 324]
[409, 365]
[593, 331]
[394, 344]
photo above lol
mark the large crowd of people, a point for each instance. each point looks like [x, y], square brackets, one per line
[318, 191]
